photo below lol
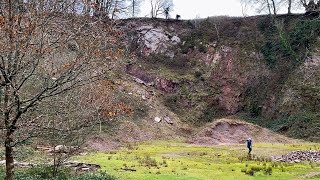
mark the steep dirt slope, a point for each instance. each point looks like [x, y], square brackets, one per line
[157, 122]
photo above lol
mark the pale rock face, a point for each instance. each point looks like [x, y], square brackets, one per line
[157, 119]
[175, 40]
[156, 40]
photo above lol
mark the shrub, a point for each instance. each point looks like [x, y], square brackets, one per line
[42, 172]
[288, 40]
[267, 170]
[2, 173]
[148, 162]
[95, 176]
[250, 172]
[256, 168]
[45, 173]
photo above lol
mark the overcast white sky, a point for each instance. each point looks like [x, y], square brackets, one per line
[189, 9]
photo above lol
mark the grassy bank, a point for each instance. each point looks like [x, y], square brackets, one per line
[171, 160]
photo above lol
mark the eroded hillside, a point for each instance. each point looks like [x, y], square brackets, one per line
[257, 68]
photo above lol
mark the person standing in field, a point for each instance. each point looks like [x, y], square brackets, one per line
[249, 145]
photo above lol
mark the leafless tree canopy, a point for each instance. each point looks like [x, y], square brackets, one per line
[134, 7]
[47, 48]
[160, 7]
[273, 6]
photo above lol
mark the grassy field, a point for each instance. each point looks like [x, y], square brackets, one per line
[172, 160]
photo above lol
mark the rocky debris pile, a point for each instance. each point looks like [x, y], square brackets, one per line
[299, 156]
[79, 166]
[166, 119]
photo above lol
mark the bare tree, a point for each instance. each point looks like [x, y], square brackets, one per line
[269, 6]
[135, 7]
[167, 11]
[160, 7]
[110, 8]
[66, 121]
[289, 6]
[45, 52]
[310, 5]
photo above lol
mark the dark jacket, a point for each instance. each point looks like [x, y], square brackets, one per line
[249, 143]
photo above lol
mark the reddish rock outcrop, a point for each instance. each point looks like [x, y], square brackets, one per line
[165, 85]
[162, 84]
[227, 77]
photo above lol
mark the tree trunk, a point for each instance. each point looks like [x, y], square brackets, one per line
[269, 8]
[133, 7]
[289, 6]
[9, 157]
[274, 7]
[9, 131]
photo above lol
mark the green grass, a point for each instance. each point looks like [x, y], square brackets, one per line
[171, 160]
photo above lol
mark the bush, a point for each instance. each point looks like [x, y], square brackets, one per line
[250, 172]
[2, 173]
[42, 172]
[304, 126]
[288, 40]
[252, 169]
[256, 168]
[45, 173]
[267, 170]
[95, 176]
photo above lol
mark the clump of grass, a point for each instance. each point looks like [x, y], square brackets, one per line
[147, 161]
[267, 170]
[164, 163]
[252, 169]
[203, 153]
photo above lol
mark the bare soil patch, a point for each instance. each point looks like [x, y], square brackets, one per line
[101, 144]
[230, 131]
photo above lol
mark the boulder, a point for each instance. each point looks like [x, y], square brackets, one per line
[168, 120]
[157, 119]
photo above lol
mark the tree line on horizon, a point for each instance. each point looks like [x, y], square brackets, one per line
[272, 7]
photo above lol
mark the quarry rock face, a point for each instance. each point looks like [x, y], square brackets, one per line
[155, 39]
[143, 77]
[233, 76]
[140, 74]
[227, 78]
[165, 85]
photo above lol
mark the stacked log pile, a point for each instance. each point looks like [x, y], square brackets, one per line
[299, 156]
